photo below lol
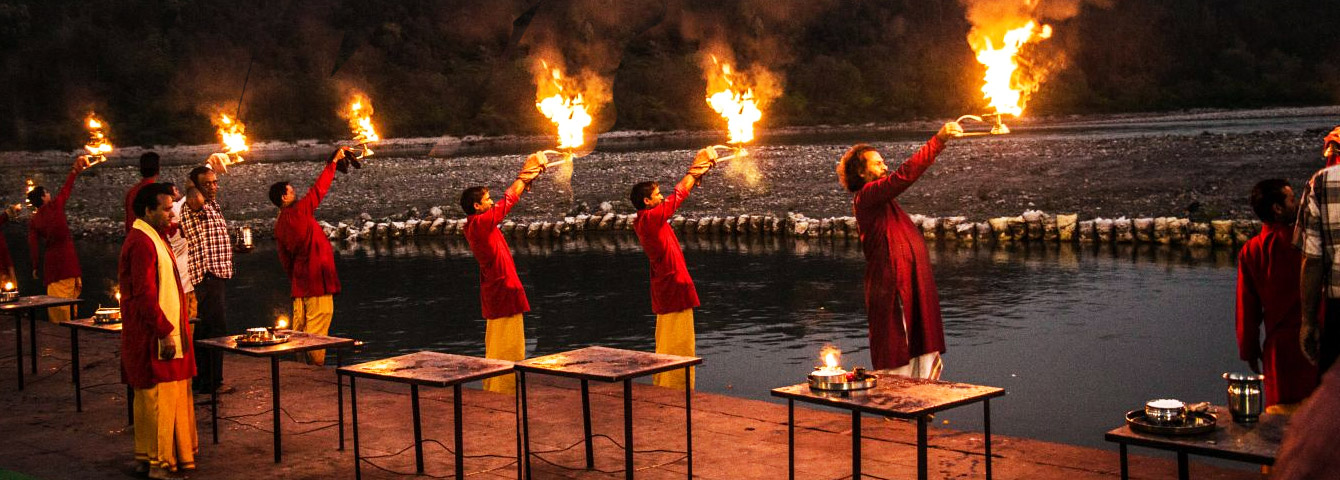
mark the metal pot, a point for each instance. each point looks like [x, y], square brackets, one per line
[1165, 411]
[1245, 397]
[9, 296]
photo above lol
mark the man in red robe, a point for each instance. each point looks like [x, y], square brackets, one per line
[672, 294]
[49, 229]
[1269, 269]
[902, 304]
[500, 292]
[7, 274]
[148, 175]
[306, 256]
[157, 355]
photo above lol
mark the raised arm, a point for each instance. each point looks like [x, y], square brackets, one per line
[64, 194]
[888, 188]
[321, 186]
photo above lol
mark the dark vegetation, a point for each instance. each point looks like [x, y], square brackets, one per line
[155, 69]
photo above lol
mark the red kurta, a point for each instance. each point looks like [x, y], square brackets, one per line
[304, 251]
[897, 268]
[1268, 281]
[6, 263]
[143, 322]
[500, 290]
[130, 199]
[49, 229]
[671, 287]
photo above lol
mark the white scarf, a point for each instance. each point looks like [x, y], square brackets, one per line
[168, 300]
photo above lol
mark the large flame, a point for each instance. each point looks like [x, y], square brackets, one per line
[1005, 90]
[735, 102]
[360, 119]
[232, 134]
[97, 145]
[560, 101]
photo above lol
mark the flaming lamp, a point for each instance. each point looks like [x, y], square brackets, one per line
[105, 315]
[9, 293]
[98, 147]
[832, 377]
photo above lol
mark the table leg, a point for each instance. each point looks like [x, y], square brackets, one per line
[628, 428]
[790, 439]
[353, 412]
[586, 424]
[921, 448]
[525, 421]
[418, 429]
[74, 370]
[214, 414]
[339, 391]
[516, 412]
[460, 431]
[986, 436]
[32, 337]
[274, 400]
[1125, 470]
[18, 347]
[855, 445]
[1183, 466]
[688, 418]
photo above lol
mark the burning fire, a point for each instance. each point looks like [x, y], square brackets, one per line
[232, 133]
[97, 145]
[116, 293]
[1005, 89]
[832, 358]
[281, 322]
[559, 100]
[360, 120]
[734, 101]
[9, 286]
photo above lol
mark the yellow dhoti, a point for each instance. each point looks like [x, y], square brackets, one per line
[188, 300]
[67, 288]
[922, 366]
[674, 336]
[165, 435]
[504, 339]
[313, 315]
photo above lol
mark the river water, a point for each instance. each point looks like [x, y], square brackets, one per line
[1077, 335]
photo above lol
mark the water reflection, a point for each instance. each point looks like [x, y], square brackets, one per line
[1060, 327]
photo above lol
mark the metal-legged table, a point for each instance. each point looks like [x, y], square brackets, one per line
[298, 342]
[607, 365]
[1252, 442]
[894, 396]
[423, 369]
[30, 305]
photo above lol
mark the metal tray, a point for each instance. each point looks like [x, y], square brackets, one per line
[1196, 424]
[262, 343]
[864, 384]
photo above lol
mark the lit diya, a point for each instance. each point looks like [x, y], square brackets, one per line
[729, 95]
[232, 135]
[560, 100]
[9, 293]
[1004, 87]
[109, 314]
[98, 146]
[832, 377]
[263, 336]
[359, 115]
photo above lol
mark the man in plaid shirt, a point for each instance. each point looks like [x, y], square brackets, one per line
[1319, 228]
[209, 267]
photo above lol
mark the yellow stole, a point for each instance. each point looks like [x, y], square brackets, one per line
[168, 300]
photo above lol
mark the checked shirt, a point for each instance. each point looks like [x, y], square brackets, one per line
[207, 242]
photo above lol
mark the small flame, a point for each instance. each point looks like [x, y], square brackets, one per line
[97, 145]
[281, 322]
[117, 294]
[727, 95]
[31, 186]
[360, 120]
[1006, 91]
[9, 286]
[559, 101]
[232, 133]
[832, 357]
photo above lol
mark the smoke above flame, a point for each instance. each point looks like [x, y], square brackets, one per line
[1003, 32]
[1006, 91]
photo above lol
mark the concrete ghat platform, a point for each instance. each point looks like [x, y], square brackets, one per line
[734, 438]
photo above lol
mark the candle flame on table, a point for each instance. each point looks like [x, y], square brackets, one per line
[232, 134]
[9, 286]
[116, 293]
[98, 146]
[281, 322]
[1004, 87]
[359, 115]
[735, 102]
[560, 102]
